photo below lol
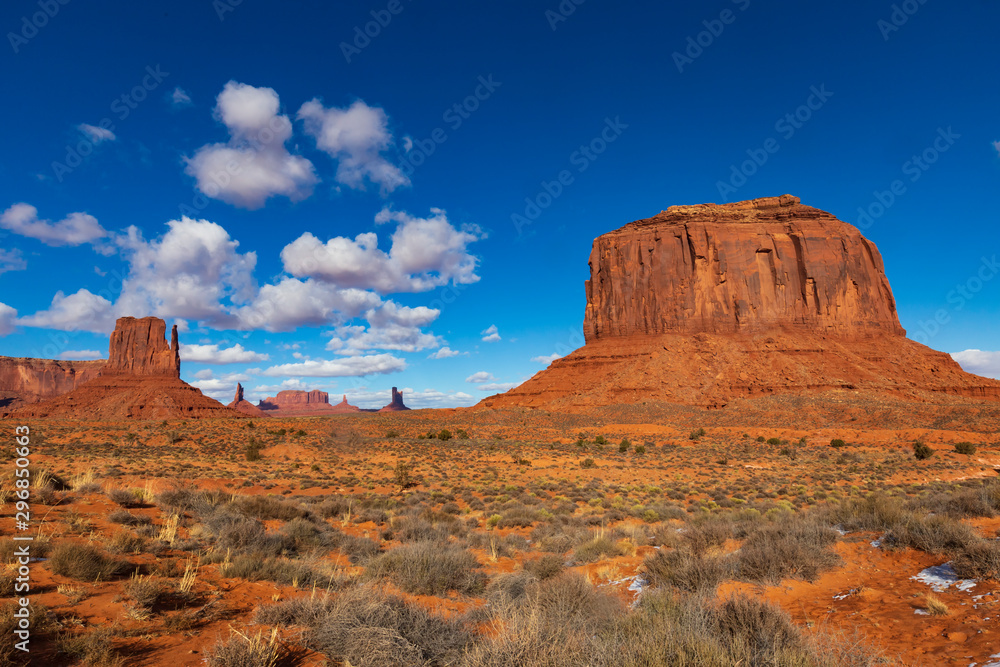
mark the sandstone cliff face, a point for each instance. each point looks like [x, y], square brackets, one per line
[701, 305]
[24, 381]
[139, 347]
[140, 381]
[748, 266]
[291, 403]
[397, 402]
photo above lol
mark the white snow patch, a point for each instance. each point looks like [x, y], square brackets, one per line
[940, 577]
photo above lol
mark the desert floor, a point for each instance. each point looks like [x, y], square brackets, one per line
[523, 538]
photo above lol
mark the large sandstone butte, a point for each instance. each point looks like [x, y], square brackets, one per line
[24, 381]
[397, 402]
[141, 380]
[703, 304]
[315, 402]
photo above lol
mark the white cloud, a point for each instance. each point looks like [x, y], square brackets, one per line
[417, 399]
[425, 253]
[291, 384]
[185, 273]
[391, 327]
[80, 354]
[343, 367]
[979, 362]
[490, 335]
[8, 319]
[180, 97]
[82, 311]
[996, 145]
[444, 353]
[480, 377]
[498, 387]
[12, 260]
[548, 359]
[211, 354]
[356, 137]
[96, 134]
[222, 389]
[254, 165]
[73, 230]
[293, 303]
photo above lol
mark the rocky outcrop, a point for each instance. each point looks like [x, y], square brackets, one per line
[140, 381]
[397, 402]
[292, 403]
[701, 305]
[24, 381]
[138, 347]
[242, 405]
[749, 266]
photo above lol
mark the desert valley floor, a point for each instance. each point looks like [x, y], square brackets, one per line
[648, 534]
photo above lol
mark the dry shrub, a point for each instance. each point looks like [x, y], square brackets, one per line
[796, 547]
[84, 562]
[429, 568]
[241, 650]
[686, 570]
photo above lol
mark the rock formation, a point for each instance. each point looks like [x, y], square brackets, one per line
[242, 405]
[24, 381]
[703, 304]
[315, 402]
[397, 403]
[141, 380]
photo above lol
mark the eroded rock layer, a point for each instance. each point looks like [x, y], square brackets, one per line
[242, 405]
[24, 381]
[747, 266]
[397, 402]
[292, 403]
[704, 304]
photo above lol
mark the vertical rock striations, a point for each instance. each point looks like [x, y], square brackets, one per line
[139, 347]
[397, 402]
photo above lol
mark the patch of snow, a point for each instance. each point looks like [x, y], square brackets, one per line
[878, 543]
[840, 529]
[921, 612]
[940, 577]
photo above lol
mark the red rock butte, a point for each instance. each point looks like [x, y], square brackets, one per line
[703, 304]
[396, 405]
[242, 405]
[24, 381]
[298, 403]
[141, 380]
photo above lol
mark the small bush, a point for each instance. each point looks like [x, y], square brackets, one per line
[686, 570]
[252, 451]
[696, 434]
[588, 463]
[128, 519]
[966, 448]
[246, 651]
[837, 442]
[640, 449]
[429, 568]
[392, 434]
[624, 445]
[545, 567]
[922, 451]
[774, 441]
[84, 563]
[444, 434]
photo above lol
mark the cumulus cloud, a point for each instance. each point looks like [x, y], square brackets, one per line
[12, 260]
[424, 253]
[547, 359]
[292, 303]
[356, 137]
[980, 362]
[82, 311]
[80, 354]
[96, 134]
[444, 353]
[996, 145]
[391, 327]
[211, 354]
[480, 377]
[357, 366]
[186, 273]
[73, 230]
[180, 97]
[221, 389]
[8, 319]
[490, 335]
[255, 164]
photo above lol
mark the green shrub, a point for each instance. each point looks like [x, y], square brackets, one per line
[444, 434]
[774, 441]
[588, 463]
[922, 451]
[392, 434]
[252, 451]
[696, 434]
[837, 442]
[966, 448]
[640, 449]
[600, 440]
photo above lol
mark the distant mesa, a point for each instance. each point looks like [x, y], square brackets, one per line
[703, 304]
[297, 403]
[25, 381]
[140, 380]
[242, 405]
[397, 402]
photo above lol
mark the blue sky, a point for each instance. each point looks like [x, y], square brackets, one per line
[274, 179]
